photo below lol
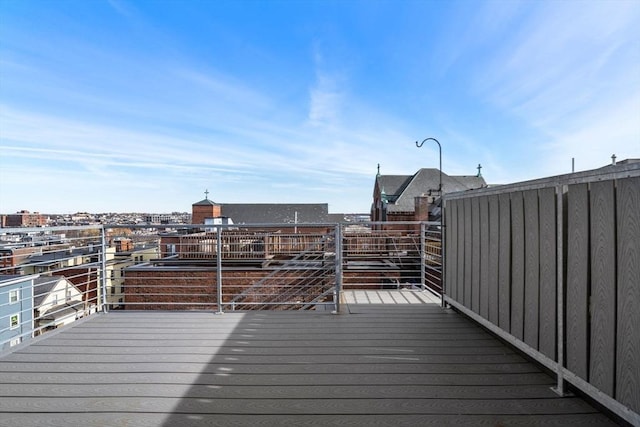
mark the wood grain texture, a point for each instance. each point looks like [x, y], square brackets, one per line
[504, 262]
[451, 249]
[468, 255]
[92, 419]
[494, 252]
[577, 280]
[628, 295]
[517, 265]
[475, 255]
[531, 268]
[460, 261]
[548, 288]
[484, 285]
[405, 365]
[603, 286]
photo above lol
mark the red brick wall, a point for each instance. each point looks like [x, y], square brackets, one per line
[85, 279]
[192, 289]
[199, 213]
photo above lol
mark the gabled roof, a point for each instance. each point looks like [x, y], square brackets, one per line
[393, 185]
[403, 189]
[205, 202]
[44, 285]
[272, 213]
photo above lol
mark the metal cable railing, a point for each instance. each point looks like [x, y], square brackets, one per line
[50, 277]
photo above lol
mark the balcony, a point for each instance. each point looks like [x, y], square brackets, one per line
[378, 364]
[257, 326]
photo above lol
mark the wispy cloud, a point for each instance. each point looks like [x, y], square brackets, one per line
[573, 77]
[168, 100]
[325, 96]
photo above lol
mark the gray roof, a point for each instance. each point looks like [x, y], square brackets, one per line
[401, 190]
[63, 310]
[205, 202]
[51, 258]
[271, 213]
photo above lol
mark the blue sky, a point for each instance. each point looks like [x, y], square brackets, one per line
[120, 106]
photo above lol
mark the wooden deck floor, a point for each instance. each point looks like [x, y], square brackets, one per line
[400, 296]
[375, 365]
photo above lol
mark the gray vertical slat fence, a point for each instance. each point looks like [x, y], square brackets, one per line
[517, 265]
[547, 211]
[484, 256]
[603, 286]
[628, 284]
[531, 268]
[468, 245]
[460, 263]
[494, 251]
[475, 255]
[506, 262]
[577, 280]
[451, 245]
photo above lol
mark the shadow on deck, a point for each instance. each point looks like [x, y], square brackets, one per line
[374, 365]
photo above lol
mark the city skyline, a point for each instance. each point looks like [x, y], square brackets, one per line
[138, 106]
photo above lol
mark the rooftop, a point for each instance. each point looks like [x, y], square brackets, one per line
[382, 364]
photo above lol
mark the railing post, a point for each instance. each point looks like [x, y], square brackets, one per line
[103, 270]
[423, 255]
[219, 267]
[443, 247]
[338, 268]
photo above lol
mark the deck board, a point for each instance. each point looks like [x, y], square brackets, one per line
[376, 364]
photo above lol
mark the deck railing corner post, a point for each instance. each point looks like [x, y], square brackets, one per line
[219, 268]
[103, 270]
[338, 268]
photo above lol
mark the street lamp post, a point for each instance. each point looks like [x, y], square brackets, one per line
[442, 229]
[419, 144]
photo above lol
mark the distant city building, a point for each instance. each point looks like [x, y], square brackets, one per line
[127, 254]
[204, 209]
[25, 219]
[259, 213]
[416, 197]
[159, 219]
[276, 213]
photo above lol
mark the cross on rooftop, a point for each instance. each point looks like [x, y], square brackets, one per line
[206, 194]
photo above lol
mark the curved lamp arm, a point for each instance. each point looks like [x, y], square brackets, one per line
[420, 144]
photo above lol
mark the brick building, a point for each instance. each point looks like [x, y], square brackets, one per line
[204, 209]
[259, 213]
[416, 197]
[25, 219]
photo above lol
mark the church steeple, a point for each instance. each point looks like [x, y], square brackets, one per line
[204, 209]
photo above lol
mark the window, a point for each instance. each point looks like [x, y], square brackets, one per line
[14, 296]
[14, 321]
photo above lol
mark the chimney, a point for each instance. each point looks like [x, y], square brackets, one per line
[422, 204]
